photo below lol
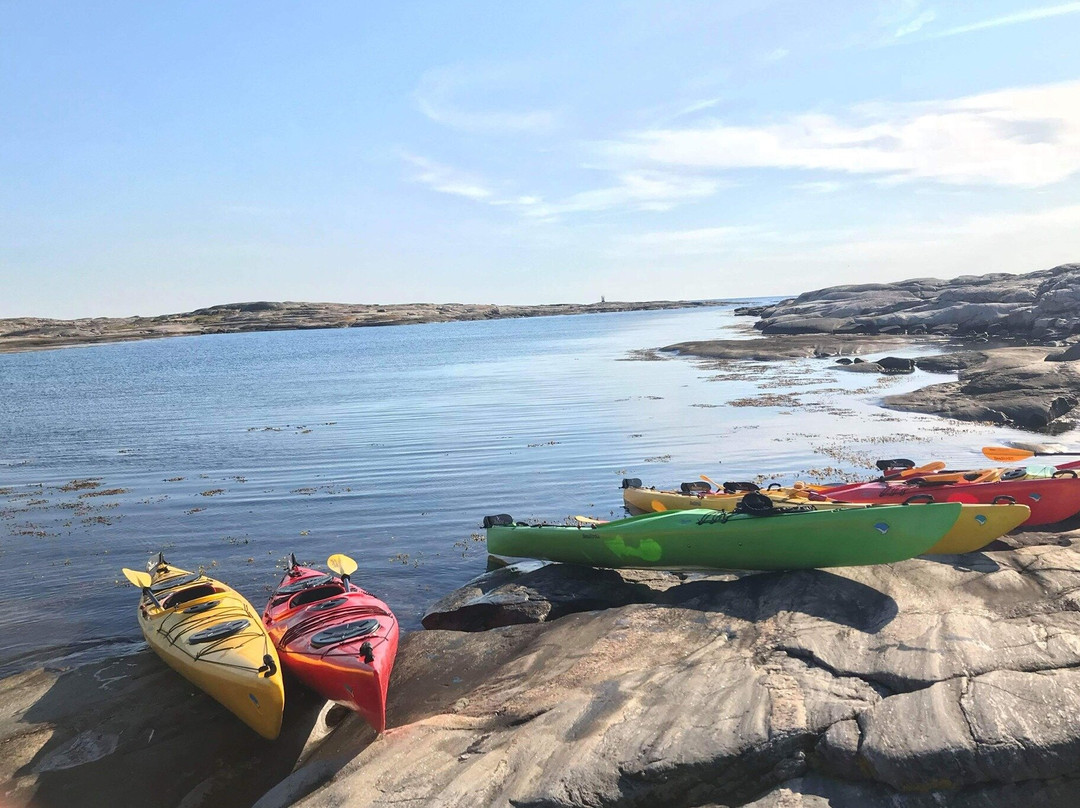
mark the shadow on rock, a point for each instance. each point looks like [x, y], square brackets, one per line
[760, 596]
[528, 593]
[131, 732]
[973, 562]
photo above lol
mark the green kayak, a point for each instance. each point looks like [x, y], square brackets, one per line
[709, 539]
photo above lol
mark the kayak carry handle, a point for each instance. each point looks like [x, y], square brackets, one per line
[1065, 473]
[918, 498]
[1003, 498]
[773, 487]
[498, 520]
[367, 653]
[269, 668]
[631, 482]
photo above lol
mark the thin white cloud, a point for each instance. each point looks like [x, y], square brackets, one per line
[916, 24]
[699, 241]
[1029, 15]
[790, 260]
[641, 190]
[445, 179]
[462, 99]
[820, 187]
[777, 54]
[1023, 137]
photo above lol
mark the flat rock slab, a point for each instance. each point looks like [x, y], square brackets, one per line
[131, 732]
[917, 683]
[939, 680]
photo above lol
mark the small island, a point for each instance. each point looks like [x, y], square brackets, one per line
[37, 333]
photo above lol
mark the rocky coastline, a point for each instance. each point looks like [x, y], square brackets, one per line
[1010, 339]
[941, 680]
[37, 333]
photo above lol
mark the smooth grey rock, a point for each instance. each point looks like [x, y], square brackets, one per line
[1071, 354]
[1028, 305]
[1011, 386]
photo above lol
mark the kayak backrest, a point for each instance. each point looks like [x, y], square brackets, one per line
[695, 487]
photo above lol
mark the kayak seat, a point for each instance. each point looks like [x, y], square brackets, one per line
[317, 593]
[189, 594]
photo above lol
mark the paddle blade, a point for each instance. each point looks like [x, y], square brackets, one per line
[139, 579]
[705, 477]
[588, 520]
[658, 506]
[341, 564]
[1002, 454]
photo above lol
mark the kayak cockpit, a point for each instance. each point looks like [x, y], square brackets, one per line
[317, 593]
[190, 593]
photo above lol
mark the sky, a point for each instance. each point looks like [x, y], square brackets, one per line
[161, 157]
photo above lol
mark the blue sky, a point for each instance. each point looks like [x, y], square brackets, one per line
[161, 157]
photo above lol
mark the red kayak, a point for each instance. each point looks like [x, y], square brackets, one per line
[1051, 499]
[335, 638]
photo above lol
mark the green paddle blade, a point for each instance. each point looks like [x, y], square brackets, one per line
[341, 564]
[139, 579]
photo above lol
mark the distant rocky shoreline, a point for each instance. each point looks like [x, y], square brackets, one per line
[37, 333]
[1011, 339]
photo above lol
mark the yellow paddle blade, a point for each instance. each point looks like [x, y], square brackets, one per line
[657, 505]
[588, 520]
[341, 564]
[1002, 454]
[139, 579]
[705, 477]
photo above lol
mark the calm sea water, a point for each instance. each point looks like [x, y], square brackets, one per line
[227, 452]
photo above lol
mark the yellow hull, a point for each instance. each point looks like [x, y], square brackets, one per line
[209, 634]
[976, 527]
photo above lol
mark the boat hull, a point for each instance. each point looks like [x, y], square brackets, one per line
[241, 670]
[709, 539]
[353, 671]
[1050, 499]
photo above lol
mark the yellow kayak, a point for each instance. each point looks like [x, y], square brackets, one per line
[694, 495]
[976, 527]
[209, 634]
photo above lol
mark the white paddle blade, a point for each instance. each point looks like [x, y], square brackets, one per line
[139, 579]
[341, 564]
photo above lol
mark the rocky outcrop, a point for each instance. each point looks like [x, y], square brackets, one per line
[1009, 386]
[941, 680]
[35, 333]
[1040, 306]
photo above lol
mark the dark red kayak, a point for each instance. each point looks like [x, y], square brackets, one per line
[335, 638]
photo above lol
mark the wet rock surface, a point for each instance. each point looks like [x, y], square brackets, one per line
[1011, 386]
[939, 680]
